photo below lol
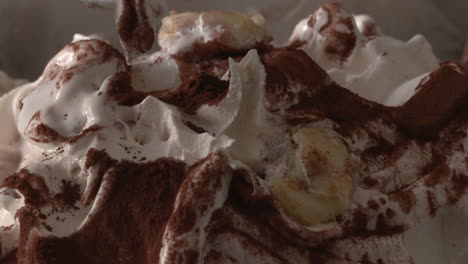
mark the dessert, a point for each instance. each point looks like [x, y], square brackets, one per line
[222, 148]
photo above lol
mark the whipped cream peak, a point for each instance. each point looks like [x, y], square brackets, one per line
[367, 25]
[360, 58]
[329, 35]
[68, 78]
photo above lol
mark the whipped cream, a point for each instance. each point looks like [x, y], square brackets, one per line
[376, 67]
[98, 121]
[75, 115]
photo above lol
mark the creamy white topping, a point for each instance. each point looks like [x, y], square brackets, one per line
[379, 68]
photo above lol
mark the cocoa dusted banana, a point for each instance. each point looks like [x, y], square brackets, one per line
[224, 30]
[325, 191]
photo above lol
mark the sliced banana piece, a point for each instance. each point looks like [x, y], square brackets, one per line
[234, 30]
[320, 182]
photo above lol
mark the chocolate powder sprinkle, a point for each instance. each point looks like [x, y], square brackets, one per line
[39, 132]
[31, 186]
[192, 94]
[133, 26]
[70, 194]
[406, 199]
[125, 231]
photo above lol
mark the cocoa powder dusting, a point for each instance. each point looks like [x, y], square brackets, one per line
[120, 90]
[245, 204]
[373, 204]
[338, 43]
[194, 127]
[437, 176]
[432, 202]
[320, 96]
[130, 228]
[39, 132]
[357, 224]
[192, 94]
[28, 220]
[196, 197]
[286, 66]
[390, 213]
[383, 228]
[102, 160]
[70, 194]
[370, 29]
[460, 188]
[214, 49]
[422, 117]
[200, 89]
[406, 199]
[133, 26]
[31, 186]
[439, 99]
[83, 133]
[85, 53]
[139, 203]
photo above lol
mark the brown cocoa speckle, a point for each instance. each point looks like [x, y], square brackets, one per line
[459, 187]
[433, 106]
[384, 228]
[432, 203]
[125, 230]
[197, 196]
[69, 195]
[194, 127]
[200, 90]
[373, 204]
[390, 213]
[39, 132]
[437, 176]
[338, 44]
[102, 160]
[83, 133]
[133, 26]
[406, 199]
[369, 29]
[31, 186]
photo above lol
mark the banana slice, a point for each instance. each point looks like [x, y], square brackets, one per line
[233, 30]
[320, 182]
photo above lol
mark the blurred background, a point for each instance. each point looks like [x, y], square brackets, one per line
[31, 32]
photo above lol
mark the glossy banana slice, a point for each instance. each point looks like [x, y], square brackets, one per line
[233, 30]
[326, 190]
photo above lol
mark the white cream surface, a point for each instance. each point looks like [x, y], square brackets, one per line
[380, 68]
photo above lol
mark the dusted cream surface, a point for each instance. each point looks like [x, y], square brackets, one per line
[238, 126]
